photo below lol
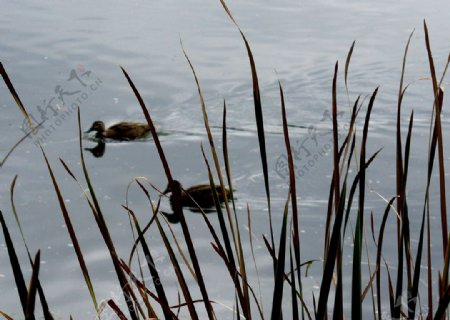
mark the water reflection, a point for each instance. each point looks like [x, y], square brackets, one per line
[174, 218]
[98, 151]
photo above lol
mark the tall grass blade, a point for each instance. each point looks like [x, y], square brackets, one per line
[72, 234]
[31, 299]
[279, 274]
[438, 108]
[259, 118]
[335, 140]
[178, 273]
[379, 251]
[292, 187]
[15, 265]
[443, 305]
[103, 228]
[347, 64]
[230, 185]
[178, 210]
[234, 230]
[293, 288]
[44, 304]
[145, 291]
[252, 248]
[152, 267]
[225, 155]
[243, 294]
[402, 209]
[15, 95]
[356, 273]
[330, 259]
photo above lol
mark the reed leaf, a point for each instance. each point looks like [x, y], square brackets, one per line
[178, 210]
[347, 64]
[330, 259]
[356, 273]
[151, 266]
[292, 187]
[15, 265]
[279, 271]
[259, 118]
[443, 305]
[5, 315]
[31, 299]
[103, 228]
[44, 304]
[379, 251]
[242, 294]
[438, 108]
[72, 234]
[180, 277]
[234, 230]
[15, 95]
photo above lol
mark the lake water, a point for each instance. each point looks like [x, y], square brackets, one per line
[72, 51]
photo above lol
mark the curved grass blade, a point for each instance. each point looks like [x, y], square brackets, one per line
[103, 228]
[347, 64]
[15, 95]
[11, 150]
[238, 234]
[72, 234]
[379, 250]
[151, 266]
[145, 290]
[242, 294]
[44, 304]
[178, 210]
[234, 230]
[178, 273]
[259, 118]
[116, 309]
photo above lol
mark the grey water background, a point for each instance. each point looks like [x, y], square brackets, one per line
[43, 45]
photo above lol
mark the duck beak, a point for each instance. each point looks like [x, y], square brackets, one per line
[167, 190]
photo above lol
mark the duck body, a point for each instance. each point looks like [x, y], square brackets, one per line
[198, 196]
[120, 131]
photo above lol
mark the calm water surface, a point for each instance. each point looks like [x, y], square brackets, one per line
[72, 51]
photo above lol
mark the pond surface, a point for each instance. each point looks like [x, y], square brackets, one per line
[65, 51]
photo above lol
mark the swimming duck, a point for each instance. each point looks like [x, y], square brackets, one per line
[120, 131]
[201, 194]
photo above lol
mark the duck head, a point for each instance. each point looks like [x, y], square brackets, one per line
[98, 127]
[176, 184]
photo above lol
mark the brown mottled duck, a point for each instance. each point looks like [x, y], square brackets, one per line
[120, 131]
[197, 196]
